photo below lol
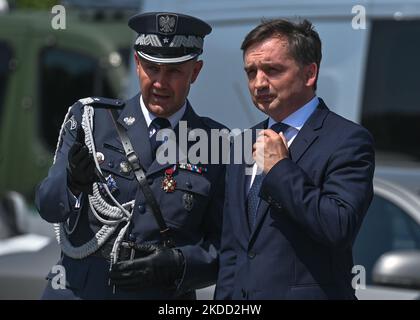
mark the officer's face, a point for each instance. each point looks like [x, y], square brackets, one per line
[277, 83]
[165, 87]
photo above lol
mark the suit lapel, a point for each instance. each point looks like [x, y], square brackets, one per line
[137, 130]
[306, 136]
[309, 132]
[243, 178]
[262, 211]
[247, 150]
[239, 172]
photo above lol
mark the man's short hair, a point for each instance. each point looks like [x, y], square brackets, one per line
[304, 41]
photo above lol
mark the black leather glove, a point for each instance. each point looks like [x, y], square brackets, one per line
[81, 170]
[157, 266]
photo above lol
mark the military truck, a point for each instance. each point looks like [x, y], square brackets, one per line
[42, 72]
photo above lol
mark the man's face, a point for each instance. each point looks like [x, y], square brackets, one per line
[277, 83]
[165, 87]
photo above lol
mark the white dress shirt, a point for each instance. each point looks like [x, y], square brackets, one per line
[149, 117]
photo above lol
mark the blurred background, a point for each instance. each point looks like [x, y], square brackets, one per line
[369, 74]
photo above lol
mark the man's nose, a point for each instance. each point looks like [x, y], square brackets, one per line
[160, 79]
[261, 80]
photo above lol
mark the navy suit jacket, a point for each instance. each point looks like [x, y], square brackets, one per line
[312, 206]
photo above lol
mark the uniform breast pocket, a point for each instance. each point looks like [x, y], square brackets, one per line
[190, 200]
[113, 161]
[116, 169]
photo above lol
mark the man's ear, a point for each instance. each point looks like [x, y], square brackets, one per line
[197, 67]
[311, 73]
[137, 59]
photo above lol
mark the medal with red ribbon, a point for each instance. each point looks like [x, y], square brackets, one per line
[169, 183]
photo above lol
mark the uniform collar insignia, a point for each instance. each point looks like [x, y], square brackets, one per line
[129, 120]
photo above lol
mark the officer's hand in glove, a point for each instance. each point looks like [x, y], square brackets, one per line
[158, 266]
[81, 171]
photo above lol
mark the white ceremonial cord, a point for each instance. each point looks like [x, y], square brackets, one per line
[111, 217]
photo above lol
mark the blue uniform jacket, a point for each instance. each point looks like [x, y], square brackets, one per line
[312, 206]
[196, 230]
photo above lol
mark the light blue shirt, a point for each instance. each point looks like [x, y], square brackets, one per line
[295, 121]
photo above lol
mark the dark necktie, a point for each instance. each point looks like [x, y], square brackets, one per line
[157, 124]
[253, 200]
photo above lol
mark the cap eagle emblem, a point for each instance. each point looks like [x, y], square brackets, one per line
[167, 24]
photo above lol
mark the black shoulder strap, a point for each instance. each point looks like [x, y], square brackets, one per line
[141, 178]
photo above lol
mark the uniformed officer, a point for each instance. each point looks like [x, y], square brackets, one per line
[129, 225]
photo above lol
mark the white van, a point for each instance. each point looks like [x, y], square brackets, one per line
[369, 71]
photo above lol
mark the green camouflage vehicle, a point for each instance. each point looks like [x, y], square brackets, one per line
[43, 71]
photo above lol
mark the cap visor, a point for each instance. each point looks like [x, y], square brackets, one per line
[167, 60]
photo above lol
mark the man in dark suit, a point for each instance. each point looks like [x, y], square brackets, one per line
[108, 181]
[288, 232]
